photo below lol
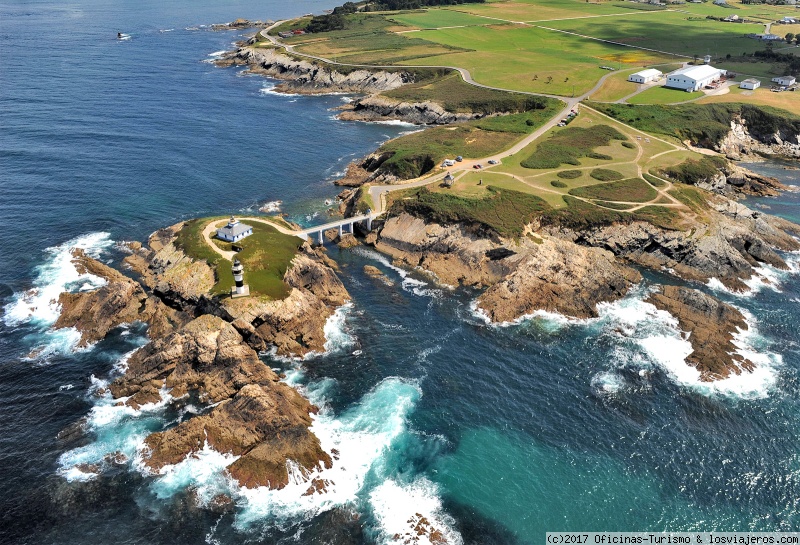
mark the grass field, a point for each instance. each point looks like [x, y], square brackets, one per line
[266, 255]
[416, 154]
[455, 95]
[670, 31]
[437, 18]
[662, 95]
[538, 10]
[525, 58]
[789, 101]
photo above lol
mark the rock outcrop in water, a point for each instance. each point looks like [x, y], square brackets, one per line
[711, 324]
[205, 348]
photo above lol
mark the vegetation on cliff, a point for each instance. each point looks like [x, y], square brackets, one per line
[702, 124]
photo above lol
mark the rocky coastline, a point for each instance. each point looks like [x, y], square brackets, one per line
[558, 269]
[206, 348]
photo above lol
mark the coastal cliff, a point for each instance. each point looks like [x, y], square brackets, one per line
[205, 347]
[381, 108]
[747, 140]
[301, 76]
[526, 275]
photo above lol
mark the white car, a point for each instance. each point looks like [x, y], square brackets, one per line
[493, 162]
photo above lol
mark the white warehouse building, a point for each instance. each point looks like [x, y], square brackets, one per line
[645, 76]
[693, 78]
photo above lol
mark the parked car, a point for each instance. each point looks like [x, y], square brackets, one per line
[494, 162]
[448, 163]
[459, 158]
[478, 166]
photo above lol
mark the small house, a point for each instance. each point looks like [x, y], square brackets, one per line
[751, 84]
[788, 21]
[645, 76]
[784, 81]
[234, 231]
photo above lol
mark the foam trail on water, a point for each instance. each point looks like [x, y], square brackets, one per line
[119, 430]
[336, 335]
[412, 513]
[408, 283]
[552, 321]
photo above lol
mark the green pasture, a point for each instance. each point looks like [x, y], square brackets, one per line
[538, 10]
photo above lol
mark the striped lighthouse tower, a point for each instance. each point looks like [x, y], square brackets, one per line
[240, 290]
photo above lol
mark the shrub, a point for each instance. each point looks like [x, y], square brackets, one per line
[629, 145]
[560, 185]
[569, 174]
[631, 190]
[572, 143]
[606, 175]
[602, 156]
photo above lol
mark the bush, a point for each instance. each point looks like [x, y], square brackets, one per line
[629, 145]
[601, 156]
[569, 174]
[631, 190]
[606, 175]
[693, 171]
[572, 143]
[560, 185]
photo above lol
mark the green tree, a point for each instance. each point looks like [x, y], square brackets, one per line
[789, 37]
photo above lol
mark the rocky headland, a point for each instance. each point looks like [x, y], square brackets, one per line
[205, 348]
[301, 76]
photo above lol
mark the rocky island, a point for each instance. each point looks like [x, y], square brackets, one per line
[205, 346]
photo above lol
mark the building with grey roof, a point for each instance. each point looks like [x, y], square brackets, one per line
[234, 231]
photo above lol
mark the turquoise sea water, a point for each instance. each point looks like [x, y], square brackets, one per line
[494, 434]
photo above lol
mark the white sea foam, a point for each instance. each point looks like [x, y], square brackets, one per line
[408, 283]
[167, 30]
[271, 206]
[39, 305]
[203, 470]
[217, 54]
[362, 436]
[401, 508]
[658, 333]
[552, 321]
[337, 336]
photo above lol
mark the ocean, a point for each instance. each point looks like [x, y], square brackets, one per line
[493, 434]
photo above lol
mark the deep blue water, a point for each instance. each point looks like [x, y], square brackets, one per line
[497, 434]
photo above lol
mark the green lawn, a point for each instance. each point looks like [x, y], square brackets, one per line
[266, 255]
[537, 10]
[663, 95]
[415, 154]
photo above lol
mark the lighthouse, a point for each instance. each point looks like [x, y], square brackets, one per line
[240, 289]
